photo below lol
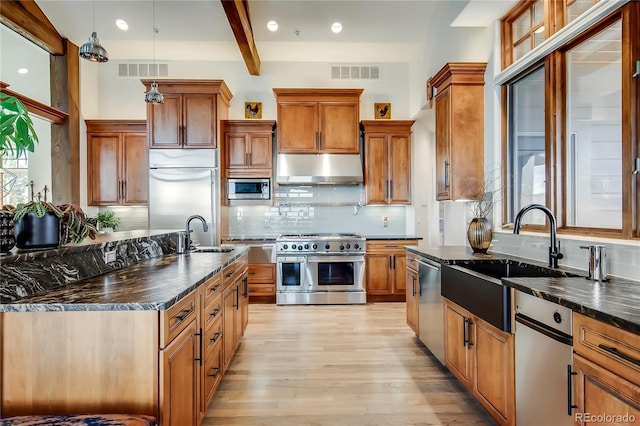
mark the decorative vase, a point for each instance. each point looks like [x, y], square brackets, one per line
[33, 232]
[480, 234]
[7, 240]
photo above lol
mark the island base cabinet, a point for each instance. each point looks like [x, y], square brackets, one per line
[457, 355]
[603, 397]
[179, 378]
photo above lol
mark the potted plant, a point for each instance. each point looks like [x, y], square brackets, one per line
[108, 220]
[37, 225]
[74, 225]
[17, 134]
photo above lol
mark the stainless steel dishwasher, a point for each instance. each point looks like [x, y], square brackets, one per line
[431, 310]
[543, 362]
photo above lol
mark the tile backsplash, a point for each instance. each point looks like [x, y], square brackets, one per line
[322, 208]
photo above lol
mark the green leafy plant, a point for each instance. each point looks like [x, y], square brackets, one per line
[74, 225]
[38, 208]
[17, 134]
[108, 219]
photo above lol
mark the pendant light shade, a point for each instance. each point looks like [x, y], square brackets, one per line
[153, 96]
[92, 50]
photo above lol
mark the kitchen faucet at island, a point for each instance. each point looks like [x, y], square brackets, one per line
[554, 251]
[205, 228]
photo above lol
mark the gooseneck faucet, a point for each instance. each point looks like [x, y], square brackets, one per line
[205, 228]
[554, 250]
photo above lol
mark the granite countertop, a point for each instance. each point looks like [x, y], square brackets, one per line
[616, 302]
[154, 284]
[392, 237]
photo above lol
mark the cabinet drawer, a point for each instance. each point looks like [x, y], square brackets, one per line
[264, 273]
[612, 348]
[212, 312]
[229, 274]
[262, 289]
[176, 318]
[242, 264]
[212, 336]
[389, 246]
[212, 289]
[212, 372]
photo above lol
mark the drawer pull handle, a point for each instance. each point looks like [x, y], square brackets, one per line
[215, 312]
[185, 313]
[215, 288]
[614, 351]
[216, 337]
[215, 373]
[230, 274]
[570, 404]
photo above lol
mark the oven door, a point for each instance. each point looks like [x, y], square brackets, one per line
[292, 274]
[336, 273]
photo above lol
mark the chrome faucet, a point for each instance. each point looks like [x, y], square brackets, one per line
[554, 250]
[205, 228]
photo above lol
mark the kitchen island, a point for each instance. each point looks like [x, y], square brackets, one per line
[151, 338]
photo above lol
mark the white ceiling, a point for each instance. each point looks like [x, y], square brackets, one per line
[192, 24]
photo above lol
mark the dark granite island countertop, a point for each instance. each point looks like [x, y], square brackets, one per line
[615, 302]
[154, 284]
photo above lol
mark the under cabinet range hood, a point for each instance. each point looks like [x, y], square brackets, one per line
[317, 169]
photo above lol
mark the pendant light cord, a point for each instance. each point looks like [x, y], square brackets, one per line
[94, 15]
[155, 68]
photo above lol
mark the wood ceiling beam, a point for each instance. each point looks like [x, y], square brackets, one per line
[238, 16]
[28, 20]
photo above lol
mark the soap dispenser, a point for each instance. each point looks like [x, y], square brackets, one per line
[597, 262]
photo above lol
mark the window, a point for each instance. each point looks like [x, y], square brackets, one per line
[523, 29]
[594, 131]
[576, 8]
[15, 179]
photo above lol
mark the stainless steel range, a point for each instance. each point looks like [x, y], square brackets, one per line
[320, 269]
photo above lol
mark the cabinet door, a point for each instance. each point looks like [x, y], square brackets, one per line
[238, 314]
[443, 141]
[599, 391]
[376, 168]
[180, 379]
[494, 383]
[244, 303]
[103, 169]
[400, 169]
[199, 121]
[378, 276]
[339, 127]
[237, 150]
[297, 127]
[228, 321]
[135, 169]
[261, 151]
[399, 273]
[413, 288]
[458, 358]
[165, 121]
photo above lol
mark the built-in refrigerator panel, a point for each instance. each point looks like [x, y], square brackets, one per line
[183, 183]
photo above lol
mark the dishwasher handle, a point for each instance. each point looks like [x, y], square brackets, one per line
[542, 328]
[430, 265]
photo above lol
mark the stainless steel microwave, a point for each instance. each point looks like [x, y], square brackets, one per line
[249, 189]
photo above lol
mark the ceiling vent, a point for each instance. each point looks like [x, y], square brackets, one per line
[143, 70]
[355, 72]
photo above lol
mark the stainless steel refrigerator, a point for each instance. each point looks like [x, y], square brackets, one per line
[184, 182]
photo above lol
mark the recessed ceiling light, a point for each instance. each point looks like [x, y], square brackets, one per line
[272, 26]
[23, 70]
[336, 27]
[122, 24]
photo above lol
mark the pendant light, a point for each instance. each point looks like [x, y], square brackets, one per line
[92, 50]
[153, 96]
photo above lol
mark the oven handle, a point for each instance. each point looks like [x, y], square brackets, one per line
[290, 260]
[323, 259]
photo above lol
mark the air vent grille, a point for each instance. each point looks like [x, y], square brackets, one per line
[143, 70]
[355, 72]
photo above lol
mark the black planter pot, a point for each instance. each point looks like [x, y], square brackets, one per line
[33, 232]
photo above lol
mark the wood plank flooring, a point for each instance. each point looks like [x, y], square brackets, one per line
[337, 365]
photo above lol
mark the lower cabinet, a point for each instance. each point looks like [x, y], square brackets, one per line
[482, 359]
[386, 262]
[606, 363]
[262, 282]
[413, 298]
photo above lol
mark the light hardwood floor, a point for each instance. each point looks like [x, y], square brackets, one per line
[337, 365]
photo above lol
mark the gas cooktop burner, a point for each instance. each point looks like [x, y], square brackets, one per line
[318, 235]
[320, 243]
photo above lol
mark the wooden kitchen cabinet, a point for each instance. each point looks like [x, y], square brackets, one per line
[117, 163]
[606, 363]
[413, 299]
[482, 358]
[387, 153]
[248, 148]
[386, 269]
[235, 302]
[190, 115]
[262, 282]
[459, 130]
[318, 120]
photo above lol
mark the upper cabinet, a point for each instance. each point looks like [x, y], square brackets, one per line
[248, 148]
[190, 114]
[117, 163]
[387, 153]
[460, 130]
[318, 120]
